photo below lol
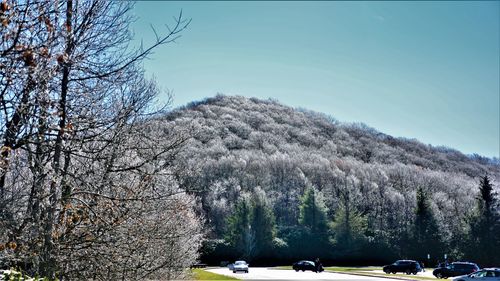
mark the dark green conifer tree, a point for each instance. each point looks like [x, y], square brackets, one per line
[313, 221]
[484, 227]
[263, 225]
[425, 236]
[349, 227]
[239, 232]
[313, 212]
[251, 229]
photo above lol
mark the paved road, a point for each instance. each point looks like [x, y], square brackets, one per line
[262, 273]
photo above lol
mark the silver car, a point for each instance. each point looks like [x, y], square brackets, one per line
[485, 274]
[240, 266]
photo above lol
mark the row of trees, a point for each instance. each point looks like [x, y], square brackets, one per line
[252, 234]
[86, 185]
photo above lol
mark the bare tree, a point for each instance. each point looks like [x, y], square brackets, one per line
[84, 173]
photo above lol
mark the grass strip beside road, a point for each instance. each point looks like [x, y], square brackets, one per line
[352, 269]
[282, 267]
[368, 271]
[200, 274]
[340, 268]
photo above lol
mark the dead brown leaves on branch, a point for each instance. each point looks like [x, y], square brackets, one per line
[75, 156]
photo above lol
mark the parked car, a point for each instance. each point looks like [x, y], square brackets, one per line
[406, 266]
[455, 269]
[305, 265]
[485, 274]
[239, 266]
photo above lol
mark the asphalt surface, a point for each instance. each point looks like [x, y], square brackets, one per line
[262, 273]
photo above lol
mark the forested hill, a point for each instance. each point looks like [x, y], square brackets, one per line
[241, 123]
[251, 150]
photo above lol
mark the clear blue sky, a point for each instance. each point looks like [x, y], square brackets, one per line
[424, 70]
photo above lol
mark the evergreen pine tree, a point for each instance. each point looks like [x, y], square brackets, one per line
[239, 230]
[312, 212]
[484, 227]
[251, 229]
[263, 225]
[425, 237]
[314, 225]
[349, 227]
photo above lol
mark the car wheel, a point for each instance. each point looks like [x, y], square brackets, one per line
[414, 273]
[246, 271]
[439, 275]
[408, 272]
[387, 271]
[234, 271]
[394, 272]
[303, 270]
[296, 270]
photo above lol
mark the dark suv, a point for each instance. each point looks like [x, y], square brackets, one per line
[406, 266]
[455, 269]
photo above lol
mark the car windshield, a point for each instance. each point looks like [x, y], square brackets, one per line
[240, 263]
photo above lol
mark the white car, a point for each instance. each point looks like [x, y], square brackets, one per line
[240, 266]
[485, 274]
